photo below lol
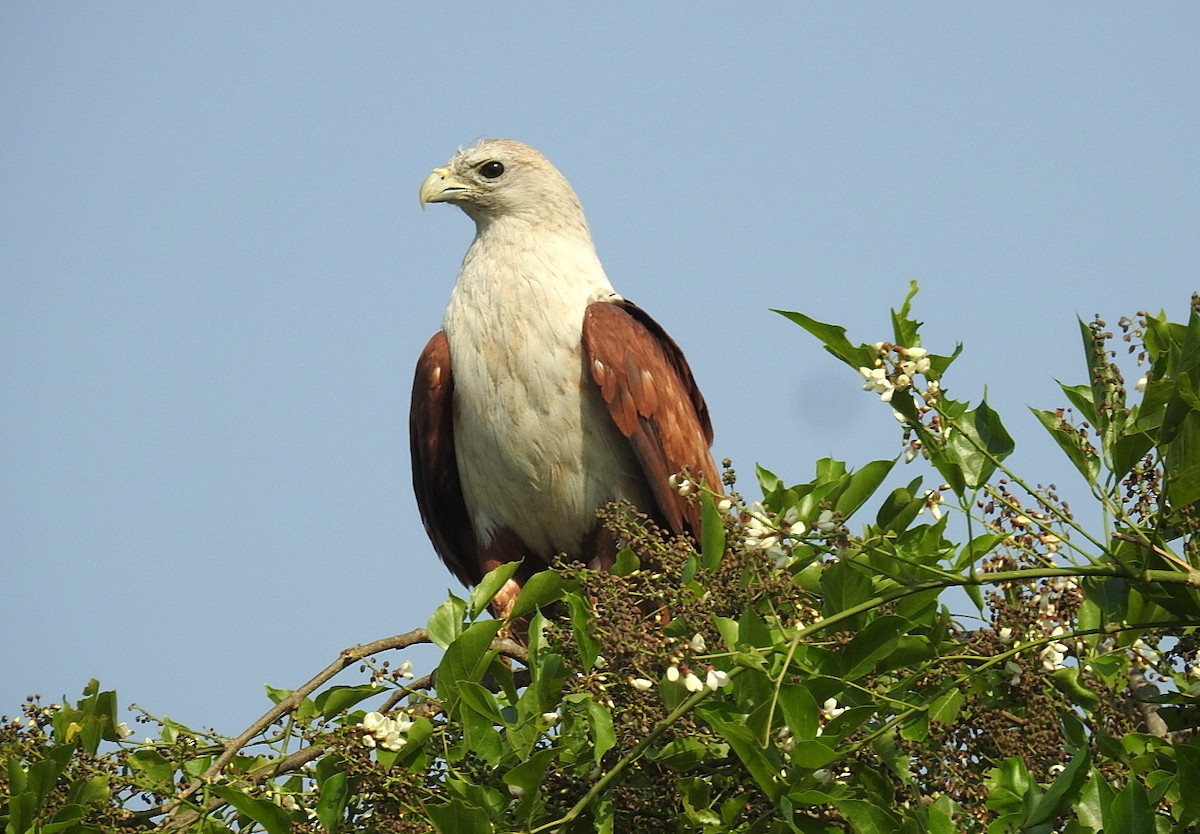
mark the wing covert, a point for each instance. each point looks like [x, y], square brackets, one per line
[435, 466]
[654, 401]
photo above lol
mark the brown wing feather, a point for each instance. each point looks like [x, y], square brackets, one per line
[434, 466]
[654, 401]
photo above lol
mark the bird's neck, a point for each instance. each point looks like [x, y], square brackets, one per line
[512, 260]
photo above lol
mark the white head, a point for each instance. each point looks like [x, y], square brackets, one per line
[499, 179]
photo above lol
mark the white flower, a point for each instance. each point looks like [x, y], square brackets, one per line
[123, 730]
[681, 485]
[673, 673]
[1053, 654]
[900, 418]
[877, 381]
[698, 645]
[1006, 634]
[823, 775]
[784, 739]
[1140, 385]
[830, 709]
[1013, 669]
[825, 522]
[724, 505]
[923, 365]
[372, 721]
[902, 382]
[600, 662]
[368, 741]
[914, 352]
[393, 741]
[716, 679]
[797, 530]
[405, 669]
[641, 684]
[693, 683]
[551, 718]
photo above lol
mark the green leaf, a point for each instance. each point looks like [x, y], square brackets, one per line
[1187, 763]
[862, 486]
[541, 589]
[603, 734]
[1009, 784]
[331, 801]
[1079, 451]
[833, 337]
[338, 699]
[944, 709]
[905, 330]
[899, 509]
[1068, 682]
[488, 587]
[1181, 461]
[681, 754]
[763, 764]
[1111, 597]
[267, 814]
[457, 817]
[446, 624]
[867, 817]
[1080, 397]
[159, 772]
[1063, 791]
[1094, 800]
[799, 710]
[581, 626]
[872, 644]
[712, 534]
[481, 699]
[466, 659]
[1130, 811]
[626, 563]
[986, 441]
[812, 754]
[528, 775]
[843, 587]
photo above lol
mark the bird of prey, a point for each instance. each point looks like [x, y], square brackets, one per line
[546, 395]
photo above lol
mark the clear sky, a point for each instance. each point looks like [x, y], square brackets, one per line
[215, 279]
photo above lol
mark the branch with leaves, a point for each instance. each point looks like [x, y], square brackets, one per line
[797, 669]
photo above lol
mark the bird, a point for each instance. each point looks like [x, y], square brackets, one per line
[546, 395]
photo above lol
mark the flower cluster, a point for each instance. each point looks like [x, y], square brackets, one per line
[895, 370]
[775, 535]
[1054, 652]
[713, 681]
[384, 731]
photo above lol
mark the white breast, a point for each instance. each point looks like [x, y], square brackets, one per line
[537, 450]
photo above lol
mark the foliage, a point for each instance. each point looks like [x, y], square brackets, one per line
[798, 671]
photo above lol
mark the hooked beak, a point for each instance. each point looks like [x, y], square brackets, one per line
[441, 187]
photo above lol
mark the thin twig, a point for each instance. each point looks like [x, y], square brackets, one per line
[346, 657]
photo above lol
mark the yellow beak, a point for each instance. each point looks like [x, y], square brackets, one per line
[440, 187]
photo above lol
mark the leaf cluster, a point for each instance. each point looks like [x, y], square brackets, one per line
[797, 670]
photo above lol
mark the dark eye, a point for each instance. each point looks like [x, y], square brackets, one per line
[491, 170]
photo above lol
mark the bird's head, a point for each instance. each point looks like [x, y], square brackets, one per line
[500, 178]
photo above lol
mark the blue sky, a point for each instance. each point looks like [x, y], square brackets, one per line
[215, 279]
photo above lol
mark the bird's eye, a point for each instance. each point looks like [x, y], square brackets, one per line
[491, 170]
